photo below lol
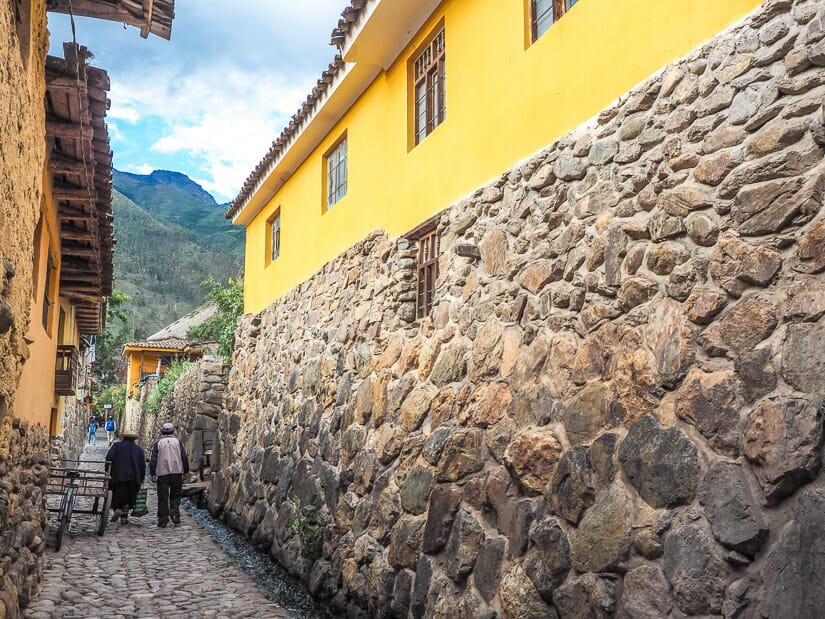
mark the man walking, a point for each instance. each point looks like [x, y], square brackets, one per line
[167, 466]
[111, 426]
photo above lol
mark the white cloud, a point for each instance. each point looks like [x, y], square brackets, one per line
[221, 90]
[114, 131]
[121, 111]
[140, 169]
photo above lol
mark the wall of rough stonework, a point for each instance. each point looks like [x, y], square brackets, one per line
[193, 406]
[23, 450]
[615, 410]
[76, 422]
[23, 476]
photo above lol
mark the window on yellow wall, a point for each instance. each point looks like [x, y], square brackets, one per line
[38, 234]
[335, 165]
[273, 237]
[48, 294]
[544, 13]
[429, 68]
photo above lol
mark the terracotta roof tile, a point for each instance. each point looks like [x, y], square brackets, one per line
[280, 144]
[349, 18]
[172, 342]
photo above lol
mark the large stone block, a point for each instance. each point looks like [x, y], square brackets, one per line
[532, 458]
[783, 441]
[662, 464]
[603, 537]
[734, 516]
[573, 488]
[794, 571]
[803, 364]
[708, 401]
[696, 572]
[588, 595]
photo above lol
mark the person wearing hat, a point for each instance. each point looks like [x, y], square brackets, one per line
[167, 466]
[126, 463]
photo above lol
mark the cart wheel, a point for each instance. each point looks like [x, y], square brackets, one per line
[65, 517]
[61, 528]
[104, 515]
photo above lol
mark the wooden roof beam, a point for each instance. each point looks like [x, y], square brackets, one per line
[70, 130]
[72, 192]
[61, 163]
[157, 20]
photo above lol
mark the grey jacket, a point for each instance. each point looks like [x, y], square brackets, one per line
[168, 457]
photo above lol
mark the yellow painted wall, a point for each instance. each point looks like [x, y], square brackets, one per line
[35, 393]
[506, 100]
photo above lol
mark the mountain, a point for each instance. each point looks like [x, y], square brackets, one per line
[175, 199]
[171, 236]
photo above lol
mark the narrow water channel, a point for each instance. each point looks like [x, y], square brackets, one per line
[271, 578]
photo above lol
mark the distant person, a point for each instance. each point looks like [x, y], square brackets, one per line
[127, 467]
[167, 466]
[111, 426]
[91, 437]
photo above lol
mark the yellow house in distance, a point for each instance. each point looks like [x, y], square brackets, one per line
[430, 100]
[155, 355]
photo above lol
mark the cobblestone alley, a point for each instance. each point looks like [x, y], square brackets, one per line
[139, 570]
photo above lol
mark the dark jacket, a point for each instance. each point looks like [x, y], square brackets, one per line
[168, 456]
[128, 462]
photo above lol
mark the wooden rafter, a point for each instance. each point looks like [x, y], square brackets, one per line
[151, 16]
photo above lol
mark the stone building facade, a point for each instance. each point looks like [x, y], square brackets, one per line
[24, 449]
[615, 408]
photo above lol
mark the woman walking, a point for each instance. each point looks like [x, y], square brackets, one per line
[127, 468]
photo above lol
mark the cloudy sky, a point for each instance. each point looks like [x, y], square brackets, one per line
[210, 101]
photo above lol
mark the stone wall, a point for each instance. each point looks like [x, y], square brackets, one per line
[193, 406]
[616, 410]
[76, 420]
[23, 475]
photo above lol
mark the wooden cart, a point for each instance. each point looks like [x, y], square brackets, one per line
[78, 486]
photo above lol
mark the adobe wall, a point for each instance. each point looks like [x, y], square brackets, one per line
[616, 410]
[24, 450]
[22, 138]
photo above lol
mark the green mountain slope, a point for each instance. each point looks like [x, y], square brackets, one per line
[161, 264]
[174, 199]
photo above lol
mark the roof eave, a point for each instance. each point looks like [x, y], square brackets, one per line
[348, 85]
[381, 29]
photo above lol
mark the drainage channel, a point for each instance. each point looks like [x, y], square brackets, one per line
[271, 578]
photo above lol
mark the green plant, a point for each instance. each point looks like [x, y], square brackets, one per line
[307, 525]
[165, 386]
[108, 344]
[116, 396]
[221, 327]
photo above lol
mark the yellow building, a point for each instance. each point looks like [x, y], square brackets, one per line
[430, 100]
[155, 355]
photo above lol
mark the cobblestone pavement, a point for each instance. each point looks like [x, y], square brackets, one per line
[139, 570]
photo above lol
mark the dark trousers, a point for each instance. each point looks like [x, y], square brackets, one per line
[169, 487]
[124, 494]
